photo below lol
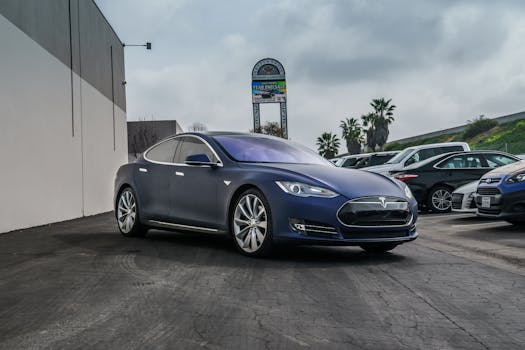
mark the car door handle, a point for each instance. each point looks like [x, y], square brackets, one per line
[143, 170]
[179, 173]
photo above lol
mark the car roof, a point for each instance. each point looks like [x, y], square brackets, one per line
[446, 155]
[440, 144]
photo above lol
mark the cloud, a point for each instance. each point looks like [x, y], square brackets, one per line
[442, 62]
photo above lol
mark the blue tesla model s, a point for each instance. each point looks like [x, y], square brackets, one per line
[262, 191]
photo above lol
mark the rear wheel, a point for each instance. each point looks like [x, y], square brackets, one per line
[251, 222]
[378, 248]
[128, 214]
[440, 199]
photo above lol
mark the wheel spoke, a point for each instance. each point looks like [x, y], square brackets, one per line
[249, 207]
[262, 224]
[242, 232]
[241, 221]
[243, 211]
[254, 240]
[260, 236]
[246, 242]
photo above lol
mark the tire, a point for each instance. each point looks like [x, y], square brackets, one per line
[378, 248]
[251, 224]
[127, 214]
[440, 199]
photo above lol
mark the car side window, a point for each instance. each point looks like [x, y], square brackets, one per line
[497, 160]
[461, 162]
[452, 163]
[191, 146]
[163, 152]
[473, 161]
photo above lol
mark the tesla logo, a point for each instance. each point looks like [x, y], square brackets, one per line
[383, 201]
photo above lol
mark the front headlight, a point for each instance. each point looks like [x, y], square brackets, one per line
[303, 190]
[516, 178]
[408, 193]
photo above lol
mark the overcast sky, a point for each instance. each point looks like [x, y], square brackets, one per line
[442, 62]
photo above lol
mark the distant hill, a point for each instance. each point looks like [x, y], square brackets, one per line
[509, 137]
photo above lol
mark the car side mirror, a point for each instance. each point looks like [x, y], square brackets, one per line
[199, 159]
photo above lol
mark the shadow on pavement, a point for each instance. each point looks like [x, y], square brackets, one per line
[205, 249]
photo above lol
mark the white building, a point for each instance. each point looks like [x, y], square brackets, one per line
[62, 111]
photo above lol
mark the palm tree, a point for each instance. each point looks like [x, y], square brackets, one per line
[377, 122]
[369, 122]
[384, 112]
[352, 133]
[328, 144]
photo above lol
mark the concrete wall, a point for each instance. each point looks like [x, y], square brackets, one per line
[60, 149]
[501, 120]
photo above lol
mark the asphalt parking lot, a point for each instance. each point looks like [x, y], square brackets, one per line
[80, 284]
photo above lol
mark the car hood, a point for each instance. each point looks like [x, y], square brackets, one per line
[468, 188]
[350, 183]
[508, 169]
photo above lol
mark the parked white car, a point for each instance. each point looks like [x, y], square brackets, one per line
[463, 200]
[416, 154]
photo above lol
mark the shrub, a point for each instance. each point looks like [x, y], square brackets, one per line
[478, 125]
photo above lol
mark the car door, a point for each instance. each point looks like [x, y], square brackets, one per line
[153, 180]
[193, 188]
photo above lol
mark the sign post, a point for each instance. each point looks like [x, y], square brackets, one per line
[269, 86]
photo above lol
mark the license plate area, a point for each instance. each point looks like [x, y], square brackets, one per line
[485, 202]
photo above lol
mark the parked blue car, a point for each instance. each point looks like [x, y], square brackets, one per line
[260, 190]
[501, 193]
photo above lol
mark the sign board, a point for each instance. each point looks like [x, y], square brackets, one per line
[269, 86]
[268, 91]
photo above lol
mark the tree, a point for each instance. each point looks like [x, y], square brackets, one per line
[378, 121]
[270, 128]
[198, 127]
[352, 134]
[328, 144]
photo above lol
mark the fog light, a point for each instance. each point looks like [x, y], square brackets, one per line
[298, 225]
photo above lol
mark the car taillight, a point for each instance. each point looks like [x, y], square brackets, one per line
[405, 177]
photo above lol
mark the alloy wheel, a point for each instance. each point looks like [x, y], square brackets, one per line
[126, 211]
[442, 199]
[250, 223]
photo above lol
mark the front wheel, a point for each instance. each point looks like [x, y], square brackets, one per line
[378, 248]
[440, 200]
[251, 223]
[128, 215]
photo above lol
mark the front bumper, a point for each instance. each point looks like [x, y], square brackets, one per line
[507, 206]
[322, 227]
[463, 203]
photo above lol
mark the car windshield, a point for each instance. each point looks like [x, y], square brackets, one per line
[400, 156]
[264, 149]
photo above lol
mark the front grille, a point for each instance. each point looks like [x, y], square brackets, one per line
[375, 211]
[488, 191]
[457, 200]
[489, 180]
[368, 235]
[313, 228]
